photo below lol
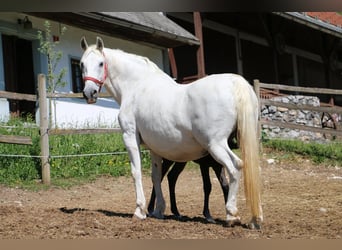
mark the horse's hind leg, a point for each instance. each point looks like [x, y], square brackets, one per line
[221, 176]
[205, 163]
[207, 190]
[222, 154]
[172, 177]
[165, 167]
[156, 180]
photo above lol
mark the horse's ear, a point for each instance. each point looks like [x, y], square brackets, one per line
[84, 44]
[99, 43]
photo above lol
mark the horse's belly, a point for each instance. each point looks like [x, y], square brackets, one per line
[175, 149]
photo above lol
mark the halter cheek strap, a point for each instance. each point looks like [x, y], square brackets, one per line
[98, 82]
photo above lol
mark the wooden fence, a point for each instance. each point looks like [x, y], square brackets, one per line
[45, 131]
[15, 139]
[258, 86]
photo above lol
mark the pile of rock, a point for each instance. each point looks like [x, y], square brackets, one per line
[301, 117]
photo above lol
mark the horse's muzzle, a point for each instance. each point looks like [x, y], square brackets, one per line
[90, 97]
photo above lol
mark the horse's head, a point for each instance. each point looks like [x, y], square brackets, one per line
[94, 69]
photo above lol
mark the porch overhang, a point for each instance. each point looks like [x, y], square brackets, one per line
[147, 27]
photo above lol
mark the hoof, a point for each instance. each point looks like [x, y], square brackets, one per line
[254, 224]
[136, 217]
[157, 215]
[138, 214]
[210, 220]
[233, 222]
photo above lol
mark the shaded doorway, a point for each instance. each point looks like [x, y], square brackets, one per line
[19, 74]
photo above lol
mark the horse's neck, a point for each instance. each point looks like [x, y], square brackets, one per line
[127, 70]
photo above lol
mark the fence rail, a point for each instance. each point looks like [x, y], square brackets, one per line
[326, 109]
[74, 95]
[16, 139]
[83, 131]
[45, 131]
[18, 96]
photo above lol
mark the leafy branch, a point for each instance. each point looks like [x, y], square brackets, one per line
[48, 48]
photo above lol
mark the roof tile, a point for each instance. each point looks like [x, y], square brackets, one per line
[333, 18]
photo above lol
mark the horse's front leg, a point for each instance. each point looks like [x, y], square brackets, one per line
[156, 180]
[131, 142]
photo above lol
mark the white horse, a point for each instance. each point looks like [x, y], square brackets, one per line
[178, 122]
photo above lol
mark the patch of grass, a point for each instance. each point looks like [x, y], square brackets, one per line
[326, 153]
[15, 170]
[67, 166]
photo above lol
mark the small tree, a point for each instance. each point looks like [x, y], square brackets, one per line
[48, 48]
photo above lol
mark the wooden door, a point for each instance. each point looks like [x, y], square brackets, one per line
[19, 74]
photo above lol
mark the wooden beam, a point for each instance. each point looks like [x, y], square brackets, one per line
[84, 131]
[18, 96]
[15, 139]
[200, 50]
[74, 95]
[173, 64]
[334, 109]
[301, 89]
[302, 127]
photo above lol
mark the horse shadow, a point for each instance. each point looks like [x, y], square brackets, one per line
[105, 212]
[183, 218]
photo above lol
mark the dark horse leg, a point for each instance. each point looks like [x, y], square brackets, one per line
[165, 167]
[172, 177]
[205, 163]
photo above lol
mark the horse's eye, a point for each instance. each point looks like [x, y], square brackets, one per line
[101, 64]
[81, 65]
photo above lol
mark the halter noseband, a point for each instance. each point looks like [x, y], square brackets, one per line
[98, 82]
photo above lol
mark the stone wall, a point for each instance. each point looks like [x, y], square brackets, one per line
[301, 117]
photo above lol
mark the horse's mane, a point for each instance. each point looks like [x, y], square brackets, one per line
[139, 59]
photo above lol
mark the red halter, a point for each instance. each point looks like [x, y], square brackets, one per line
[98, 82]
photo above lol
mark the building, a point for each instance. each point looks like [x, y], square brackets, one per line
[292, 48]
[144, 33]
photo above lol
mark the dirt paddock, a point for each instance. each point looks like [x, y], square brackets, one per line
[300, 200]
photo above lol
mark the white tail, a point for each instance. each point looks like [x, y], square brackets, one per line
[247, 125]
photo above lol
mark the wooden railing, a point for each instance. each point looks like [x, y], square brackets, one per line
[277, 87]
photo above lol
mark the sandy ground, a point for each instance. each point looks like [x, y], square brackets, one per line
[300, 200]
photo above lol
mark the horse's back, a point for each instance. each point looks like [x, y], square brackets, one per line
[178, 122]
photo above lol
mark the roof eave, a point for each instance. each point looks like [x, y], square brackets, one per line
[179, 40]
[312, 22]
[115, 27]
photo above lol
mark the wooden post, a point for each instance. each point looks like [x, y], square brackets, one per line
[256, 84]
[173, 65]
[44, 126]
[200, 50]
